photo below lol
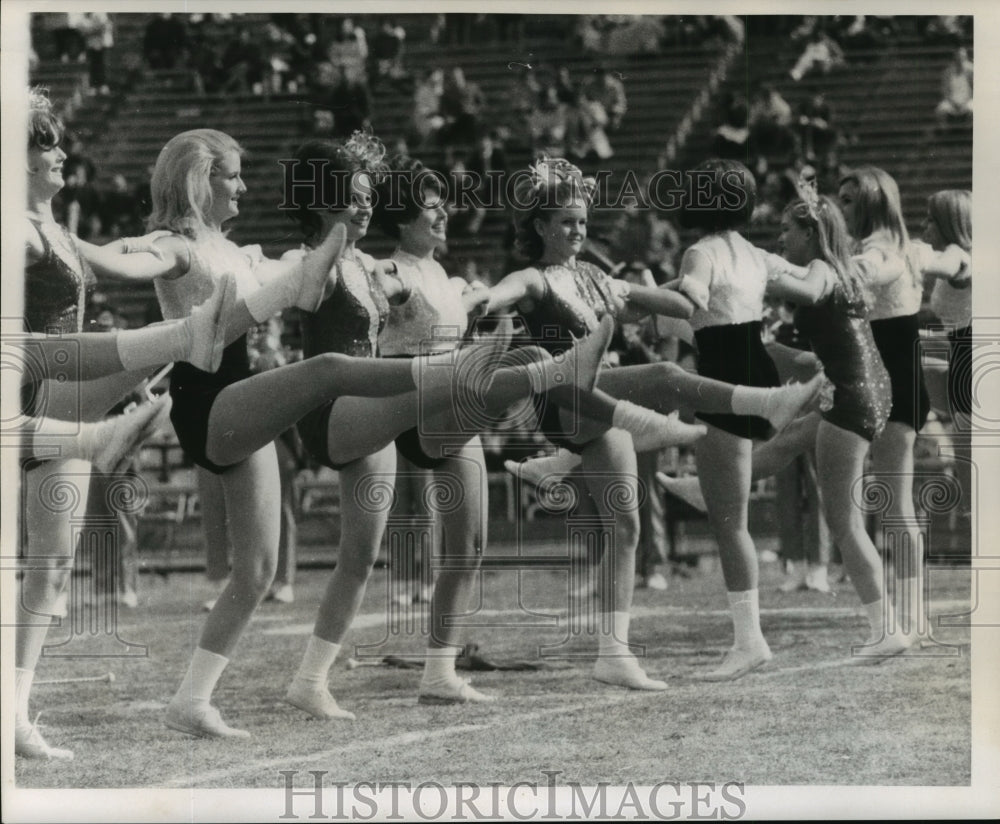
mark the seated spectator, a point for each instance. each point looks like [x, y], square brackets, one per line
[731, 140]
[350, 104]
[607, 91]
[548, 124]
[770, 119]
[565, 88]
[462, 104]
[637, 34]
[588, 138]
[818, 137]
[349, 48]
[277, 64]
[164, 41]
[242, 65]
[956, 90]
[642, 240]
[98, 37]
[522, 96]
[486, 159]
[821, 52]
[69, 37]
[387, 54]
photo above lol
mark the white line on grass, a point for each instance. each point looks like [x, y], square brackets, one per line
[392, 741]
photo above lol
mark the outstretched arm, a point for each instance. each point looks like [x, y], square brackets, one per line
[155, 255]
[808, 290]
[517, 286]
[657, 300]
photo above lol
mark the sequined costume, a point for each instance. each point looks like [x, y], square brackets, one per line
[841, 337]
[193, 390]
[57, 288]
[574, 301]
[347, 322]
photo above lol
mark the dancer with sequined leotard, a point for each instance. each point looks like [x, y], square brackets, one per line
[56, 441]
[355, 435]
[559, 294]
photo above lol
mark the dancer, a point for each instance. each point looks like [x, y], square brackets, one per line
[58, 280]
[355, 435]
[196, 187]
[869, 199]
[559, 291]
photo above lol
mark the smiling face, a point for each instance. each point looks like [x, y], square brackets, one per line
[357, 216]
[429, 229]
[45, 172]
[227, 187]
[797, 243]
[563, 231]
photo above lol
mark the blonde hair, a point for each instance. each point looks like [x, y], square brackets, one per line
[180, 188]
[877, 205]
[951, 211]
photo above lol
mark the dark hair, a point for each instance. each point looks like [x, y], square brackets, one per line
[45, 129]
[399, 195]
[719, 195]
[331, 169]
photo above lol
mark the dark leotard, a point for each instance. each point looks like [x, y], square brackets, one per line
[841, 337]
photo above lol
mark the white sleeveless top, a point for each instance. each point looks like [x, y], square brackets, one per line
[433, 316]
[734, 291]
[212, 257]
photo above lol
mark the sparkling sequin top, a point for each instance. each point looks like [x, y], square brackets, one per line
[350, 320]
[58, 285]
[733, 292]
[841, 337]
[432, 317]
[574, 302]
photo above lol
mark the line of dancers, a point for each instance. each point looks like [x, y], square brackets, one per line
[379, 374]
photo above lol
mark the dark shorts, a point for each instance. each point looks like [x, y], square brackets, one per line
[960, 370]
[898, 343]
[735, 353]
[408, 443]
[550, 423]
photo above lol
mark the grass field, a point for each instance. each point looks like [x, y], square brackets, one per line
[808, 718]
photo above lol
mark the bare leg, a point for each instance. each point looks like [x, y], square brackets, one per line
[360, 537]
[724, 475]
[774, 454]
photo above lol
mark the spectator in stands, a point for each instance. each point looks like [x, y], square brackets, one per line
[565, 88]
[462, 104]
[732, 139]
[427, 119]
[821, 53]
[277, 64]
[817, 136]
[548, 124]
[770, 119]
[165, 40]
[956, 90]
[243, 65]
[349, 48]
[635, 34]
[640, 239]
[608, 92]
[98, 36]
[587, 131]
[486, 158]
[944, 30]
[350, 103]
[69, 38]
[522, 96]
[119, 210]
[79, 196]
[387, 55]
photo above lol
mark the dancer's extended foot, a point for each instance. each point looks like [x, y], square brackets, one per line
[546, 471]
[200, 720]
[316, 701]
[738, 662]
[791, 400]
[314, 273]
[206, 326]
[109, 444]
[453, 690]
[877, 651]
[624, 671]
[687, 489]
[652, 431]
[28, 743]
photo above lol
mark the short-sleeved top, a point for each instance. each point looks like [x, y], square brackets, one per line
[734, 292]
[433, 316]
[952, 306]
[212, 257]
[902, 295]
[57, 286]
[573, 303]
[350, 320]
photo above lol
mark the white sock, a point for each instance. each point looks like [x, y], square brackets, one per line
[745, 609]
[614, 639]
[202, 675]
[439, 664]
[876, 618]
[316, 662]
[273, 296]
[153, 345]
[624, 414]
[23, 679]
[752, 400]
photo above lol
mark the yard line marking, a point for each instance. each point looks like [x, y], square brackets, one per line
[402, 740]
